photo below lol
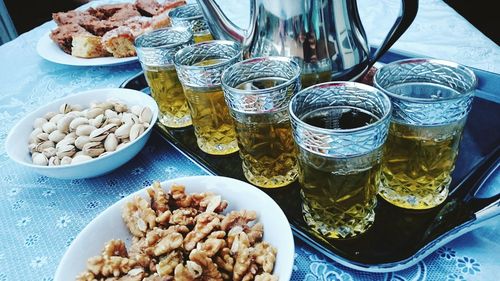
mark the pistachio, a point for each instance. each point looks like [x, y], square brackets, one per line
[98, 121]
[66, 160]
[81, 141]
[123, 131]
[32, 147]
[49, 152]
[104, 154]
[66, 150]
[56, 136]
[135, 131]
[102, 133]
[63, 123]
[94, 112]
[46, 144]
[65, 141]
[49, 115]
[93, 149]
[77, 122]
[110, 114]
[105, 105]
[84, 130]
[39, 122]
[64, 108]
[117, 121]
[71, 135]
[120, 107]
[129, 118]
[136, 109]
[122, 145]
[54, 161]
[39, 159]
[110, 143]
[41, 137]
[35, 132]
[49, 127]
[145, 115]
[80, 158]
[76, 107]
[56, 117]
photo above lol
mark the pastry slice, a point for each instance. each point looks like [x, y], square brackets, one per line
[119, 42]
[87, 46]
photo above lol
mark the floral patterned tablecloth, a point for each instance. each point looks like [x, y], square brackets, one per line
[40, 216]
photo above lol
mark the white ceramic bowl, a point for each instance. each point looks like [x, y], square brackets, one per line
[240, 195]
[16, 144]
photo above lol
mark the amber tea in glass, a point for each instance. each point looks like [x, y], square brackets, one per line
[339, 129]
[431, 101]
[191, 16]
[257, 92]
[156, 52]
[200, 68]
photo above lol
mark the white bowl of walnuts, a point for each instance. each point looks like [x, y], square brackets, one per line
[191, 228]
[83, 135]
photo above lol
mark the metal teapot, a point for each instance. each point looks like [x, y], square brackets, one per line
[325, 37]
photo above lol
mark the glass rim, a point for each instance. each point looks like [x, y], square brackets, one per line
[175, 43]
[387, 113]
[172, 15]
[256, 60]
[188, 49]
[469, 91]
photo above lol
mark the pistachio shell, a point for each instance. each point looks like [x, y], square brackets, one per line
[93, 149]
[98, 121]
[146, 115]
[56, 136]
[41, 137]
[81, 141]
[105, 105]
[49, 152]
[66, 160]
[129, 118]
[110, 143]
[49, 115]
[65, 150]
[63, 123]
[64, 108]
[84, 130]
[80, 158]
[77, 122]
[102, 133]
[46, 144]
[123, 131]
[54, 161]
[135, 131]
[39, 159]
[110, 113]
[120, 107]
[94, 112]
[49, 127]
[65, 141]
[136, 109]
[39, 122]
[55, 118]
[35, 132]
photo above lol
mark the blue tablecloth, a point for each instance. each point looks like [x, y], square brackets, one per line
[40, 216]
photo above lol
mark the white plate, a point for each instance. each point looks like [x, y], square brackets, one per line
[49, 50]
[240, 195]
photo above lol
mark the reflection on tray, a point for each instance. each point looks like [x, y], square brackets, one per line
[398, 238]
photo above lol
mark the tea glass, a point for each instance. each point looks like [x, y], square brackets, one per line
[191, 16]
[257, 92]
[431, 100]
[200, 68]
[339, 129]
[156, 52]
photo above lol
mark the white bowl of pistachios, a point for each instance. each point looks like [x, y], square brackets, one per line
[83, 135]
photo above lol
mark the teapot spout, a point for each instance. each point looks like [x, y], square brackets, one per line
[220, 26]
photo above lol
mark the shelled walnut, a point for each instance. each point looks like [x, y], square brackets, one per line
[196, 242]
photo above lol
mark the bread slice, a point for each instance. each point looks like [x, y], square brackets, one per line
[87, 46]
[119, 42]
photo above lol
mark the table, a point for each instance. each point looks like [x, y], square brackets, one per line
[40, 216]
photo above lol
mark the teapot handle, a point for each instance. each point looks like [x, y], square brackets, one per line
[406, 16]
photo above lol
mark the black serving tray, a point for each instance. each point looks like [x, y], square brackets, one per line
[399, 238]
